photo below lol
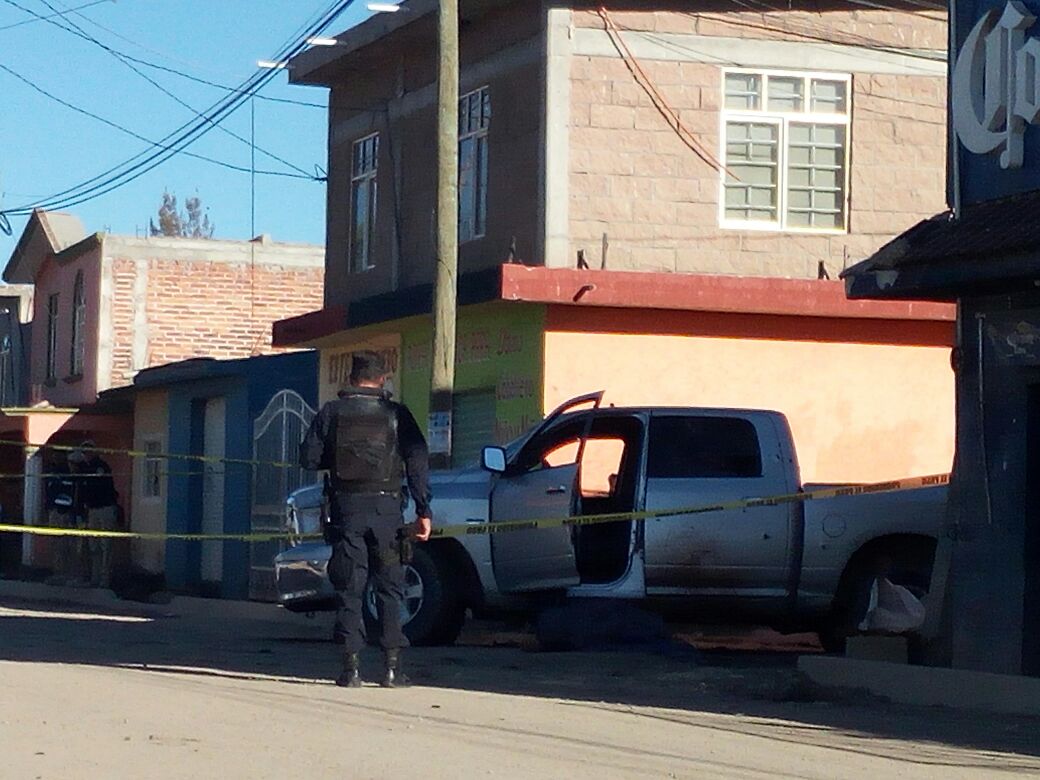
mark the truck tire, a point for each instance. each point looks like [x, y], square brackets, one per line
[431, 586]
[908, 564]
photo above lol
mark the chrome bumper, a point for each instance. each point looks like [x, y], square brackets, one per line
[301, 575]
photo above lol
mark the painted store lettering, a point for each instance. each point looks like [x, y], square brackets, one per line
[996, 84]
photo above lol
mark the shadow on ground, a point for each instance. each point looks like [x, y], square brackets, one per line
[663, 681]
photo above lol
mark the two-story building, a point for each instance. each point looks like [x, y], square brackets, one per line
[106, 307]
[652, 197]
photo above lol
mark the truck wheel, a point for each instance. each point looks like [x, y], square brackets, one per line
[909, 566]
[432, 613]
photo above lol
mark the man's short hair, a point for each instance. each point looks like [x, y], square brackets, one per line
[367, 366]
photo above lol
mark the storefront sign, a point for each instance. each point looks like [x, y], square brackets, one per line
[336, 364]
[996, 84]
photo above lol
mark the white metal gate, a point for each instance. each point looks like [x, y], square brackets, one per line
[277, 434]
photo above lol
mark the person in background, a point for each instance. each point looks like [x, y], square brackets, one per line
[97, 499]
[60, 499]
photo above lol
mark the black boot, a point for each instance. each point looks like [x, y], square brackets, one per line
[393, 677]
[350, 677]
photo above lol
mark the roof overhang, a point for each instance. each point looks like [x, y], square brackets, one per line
[325, 65]
[991, 246]
[611, 289]
[46, 233]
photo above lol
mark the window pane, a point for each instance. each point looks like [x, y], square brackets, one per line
[786, 93]
[703, 447]
[359, 245]
[485, 108]
[816, 176]
[799, 199]
[828, 97]
[743, 91]
[751, 161]
[480, 218]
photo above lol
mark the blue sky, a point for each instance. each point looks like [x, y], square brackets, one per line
[46, 148]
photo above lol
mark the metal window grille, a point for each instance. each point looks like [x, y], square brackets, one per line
[474, 122]
[52, 336]
[785, 146]
[152, 473]
[363, 197]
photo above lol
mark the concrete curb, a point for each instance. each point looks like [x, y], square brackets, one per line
[928, 686]
[180, 606]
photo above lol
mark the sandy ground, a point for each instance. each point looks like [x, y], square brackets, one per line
[138, 692]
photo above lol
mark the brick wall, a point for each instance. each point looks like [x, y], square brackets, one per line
[634, 179]
[194, 306]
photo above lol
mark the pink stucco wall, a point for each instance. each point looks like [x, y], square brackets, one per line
[60, 277]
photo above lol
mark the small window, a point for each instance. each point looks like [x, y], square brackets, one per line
[785, 151]
[52, 337]
[152, 473]
[703, 448]
[364, 189]
[474, 122]
[79, 318]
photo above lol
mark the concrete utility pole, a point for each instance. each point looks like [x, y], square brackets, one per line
[444, 303]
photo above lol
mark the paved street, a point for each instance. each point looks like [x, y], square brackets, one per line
[148, 691]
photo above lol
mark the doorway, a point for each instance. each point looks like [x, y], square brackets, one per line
[211, 563]
[1031, 541]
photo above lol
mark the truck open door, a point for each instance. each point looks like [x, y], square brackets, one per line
[542, 481]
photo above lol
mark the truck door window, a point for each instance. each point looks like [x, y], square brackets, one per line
[684, 447]
[600, 467]
[557, 446]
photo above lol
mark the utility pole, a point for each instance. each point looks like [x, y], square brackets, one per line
[446, 283]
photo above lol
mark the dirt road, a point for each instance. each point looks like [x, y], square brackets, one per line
[143, 692]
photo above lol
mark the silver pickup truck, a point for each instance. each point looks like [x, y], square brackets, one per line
[813, 562]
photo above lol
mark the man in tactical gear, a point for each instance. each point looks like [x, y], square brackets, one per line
[369, 445]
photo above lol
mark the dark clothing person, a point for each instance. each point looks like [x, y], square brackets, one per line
[61, 501]
[97, 489]
[370, 446]
[96, 502]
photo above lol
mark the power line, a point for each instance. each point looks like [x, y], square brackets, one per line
[75, 29]
[185, 135]
[175, 71]
[62, 13]
[32, 85]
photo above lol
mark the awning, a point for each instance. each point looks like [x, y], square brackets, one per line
[989, 247]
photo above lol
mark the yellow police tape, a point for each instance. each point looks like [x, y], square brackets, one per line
[509, 526]
[153, 455]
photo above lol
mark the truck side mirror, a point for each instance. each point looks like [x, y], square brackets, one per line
[493, 459]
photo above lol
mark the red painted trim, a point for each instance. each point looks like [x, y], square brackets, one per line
[694, 292]
[308, 327]
[767, 327]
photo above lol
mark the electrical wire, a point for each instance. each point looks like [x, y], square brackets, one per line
[63, 13]
[78, 31]
[863, 43]
[670, 115]
[187, 134]
[36, 87]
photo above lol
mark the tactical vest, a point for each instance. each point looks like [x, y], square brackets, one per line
[367, 458]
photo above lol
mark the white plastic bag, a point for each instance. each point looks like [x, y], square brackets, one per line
[893, 609]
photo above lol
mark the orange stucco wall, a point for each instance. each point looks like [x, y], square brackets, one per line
[862, 408]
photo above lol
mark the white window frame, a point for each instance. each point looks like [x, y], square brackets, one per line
[784, 120]
[148, 463]
[368, 177]
[481, 175]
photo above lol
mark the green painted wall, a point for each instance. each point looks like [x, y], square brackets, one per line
[500, 349]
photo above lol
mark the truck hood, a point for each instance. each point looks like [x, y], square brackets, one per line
[466, 484]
